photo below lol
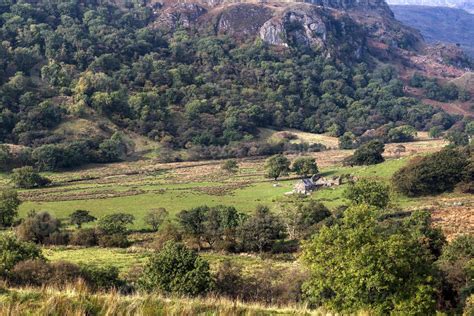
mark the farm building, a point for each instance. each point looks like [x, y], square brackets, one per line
[306, 186]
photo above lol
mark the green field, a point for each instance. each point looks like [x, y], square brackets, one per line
[137, 194]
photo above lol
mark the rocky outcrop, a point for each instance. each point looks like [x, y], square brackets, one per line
[332, 27]
[243, 19]
[178, 15]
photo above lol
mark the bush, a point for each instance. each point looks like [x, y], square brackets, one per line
[230, 166]
[64, 272]
[30, 273]
[13, 251]
[401, 134]
[84, 237]
[9, 203]
[101, 277]
[368, 192]
[177, 270]
[437, 173]
[113, 241]
[168, 233]
[38, 228]
[27, 178]
[367, 154]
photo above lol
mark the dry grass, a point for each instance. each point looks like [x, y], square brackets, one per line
[77, 300]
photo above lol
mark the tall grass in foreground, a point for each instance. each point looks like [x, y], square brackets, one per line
[77, 300]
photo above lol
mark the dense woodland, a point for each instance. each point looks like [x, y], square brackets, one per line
[66, 59]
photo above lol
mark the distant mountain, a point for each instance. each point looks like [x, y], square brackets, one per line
[438, 24]
[467, 5]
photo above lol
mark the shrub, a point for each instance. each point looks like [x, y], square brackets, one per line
[177, 270]
[57, 238]
[268, 286]
[367, 154]
[31, 273]
[437, 173]
[231, 166]
[38, 227]
[168, 233]
[368, 192]
[64, 272]
[13, 251]
[101, 277]
[28, 178]
[401, 134]
[114, 240]
[84, 237]
[9, 203]
[347, 141]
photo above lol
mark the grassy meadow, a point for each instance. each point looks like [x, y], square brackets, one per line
[139, 186]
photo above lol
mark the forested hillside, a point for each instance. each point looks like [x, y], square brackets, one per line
[190, 86]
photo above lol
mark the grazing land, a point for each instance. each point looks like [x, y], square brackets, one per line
[139, 186]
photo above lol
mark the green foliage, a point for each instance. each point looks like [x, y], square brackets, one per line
[469, 129]
[115, 223]
[38, 228]
[457, 264]
[9, 203]
[80, 217]
[347, 141]
[369, 192]
[13, 251]
[208, 90]
[28, 178]
[300, 220]
[277, 166]
[367, 154]
[402, 134]
[435, 132]
[261, 230]
[457, 138]
[433, 174]
[360, 263]
[231, 166]
[156, 217]
[211, 224]
[305, 166]
[177, 270]
[101, 277]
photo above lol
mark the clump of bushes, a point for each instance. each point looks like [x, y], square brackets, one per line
[367, 154]
[177, 270]
[436, 173]
[28, 178]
